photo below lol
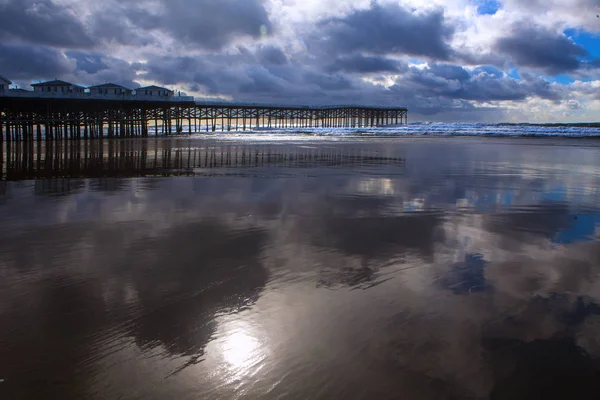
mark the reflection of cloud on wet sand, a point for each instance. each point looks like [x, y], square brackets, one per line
[163, 292]
[337, 287]
[218, 270]
[533, 294]
[436, 338]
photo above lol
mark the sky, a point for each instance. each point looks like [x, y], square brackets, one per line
[445, 60]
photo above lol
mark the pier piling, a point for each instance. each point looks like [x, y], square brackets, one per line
[37, 119]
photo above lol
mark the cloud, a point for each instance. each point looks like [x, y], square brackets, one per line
[449, 72]
[29, 62]
[360, 63]
[433, 89]
[272, 55]
[88, 62]
[242, 76]
[328, 81]
[212, 24]
[41, 22]
[261, 81]
[385, 29]
[205, 24]
[459, 59]
[112, 26]
[96, 68]
[170, 70]
[541, 48]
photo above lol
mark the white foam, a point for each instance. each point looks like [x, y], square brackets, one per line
[413, 129]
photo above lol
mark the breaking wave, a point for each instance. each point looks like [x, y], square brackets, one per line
[446, 129]
[582, 130]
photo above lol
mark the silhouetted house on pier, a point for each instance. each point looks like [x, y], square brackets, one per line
[4, 84]
[109, 89]
[57, 86]
[154, 91]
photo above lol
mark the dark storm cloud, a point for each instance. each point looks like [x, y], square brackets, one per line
[259, 75]
[243, 77]
[212, 24]
[88, 62]
[428, 91]
[271, 55]
[385, 29]
[444, 86]
[170, 70]
[211, 74]
[540, 87]
[32, 62]
[450, 72]
[112, 26]
[328, 81]
[261, 81]
[484, 87]
[207, 24]
[96, 68]
[540, 48]
[360, 63]
[481, 84]
[201, 24]
[41, 22]
[204, 83]
[201, 73]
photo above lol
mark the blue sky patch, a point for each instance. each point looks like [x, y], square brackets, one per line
[587, 40]
[488, 7]
[514, 73]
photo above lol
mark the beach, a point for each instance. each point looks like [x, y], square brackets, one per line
[299, 266]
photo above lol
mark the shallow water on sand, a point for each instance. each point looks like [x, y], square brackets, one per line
[204, 268]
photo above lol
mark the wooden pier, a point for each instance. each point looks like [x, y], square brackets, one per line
[36, 119]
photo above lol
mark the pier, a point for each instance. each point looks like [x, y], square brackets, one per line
[35, 116]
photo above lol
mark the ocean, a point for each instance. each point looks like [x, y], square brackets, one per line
[574, 130]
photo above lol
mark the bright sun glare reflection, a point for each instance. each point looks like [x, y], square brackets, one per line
[239, 350]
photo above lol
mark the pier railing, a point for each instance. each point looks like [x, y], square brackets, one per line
[205, 103]
[95, 96]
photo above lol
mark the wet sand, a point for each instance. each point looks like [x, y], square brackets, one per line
[461, 268]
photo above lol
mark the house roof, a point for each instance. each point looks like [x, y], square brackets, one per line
[108, 85]
[153, 87]
[19, 90]
[56, 82]
[5, 80]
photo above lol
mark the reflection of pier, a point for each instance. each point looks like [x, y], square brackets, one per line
[132, 158]
[29, 119]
